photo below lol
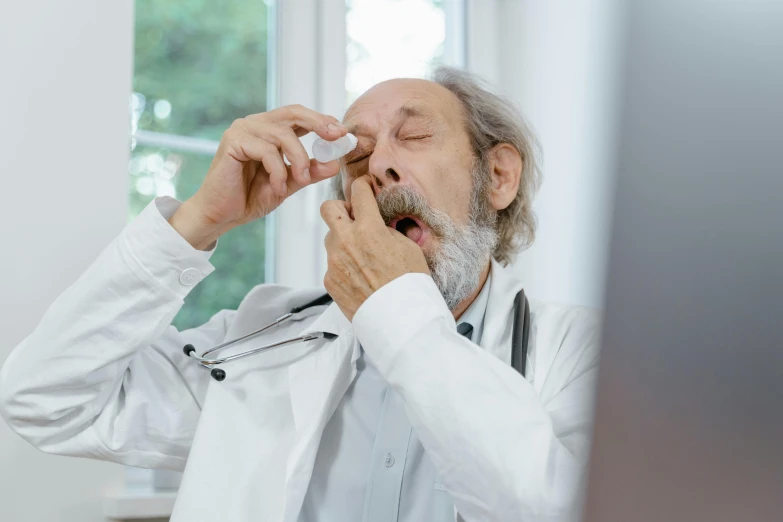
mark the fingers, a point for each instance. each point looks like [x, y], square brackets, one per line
[283, 138]
[273, 164]
[243, 147]
[335, 213]
[262, 137]
[297, 156]
[365, 207]
[321, 171]
[318, 172]
[303, 120]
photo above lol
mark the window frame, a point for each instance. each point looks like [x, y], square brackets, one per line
[206, 147]
[155, 484]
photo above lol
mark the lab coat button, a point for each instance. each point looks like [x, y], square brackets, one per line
[389, 460]
[189, 277]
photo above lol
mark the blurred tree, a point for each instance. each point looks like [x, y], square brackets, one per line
[199, 65]
[207, 58]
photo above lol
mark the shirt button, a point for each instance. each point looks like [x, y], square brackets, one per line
[389, 460]
[189, 277]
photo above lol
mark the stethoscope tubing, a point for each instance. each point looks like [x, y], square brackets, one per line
[519, 342]
[219, 374]
[190, 351]
[276, 322]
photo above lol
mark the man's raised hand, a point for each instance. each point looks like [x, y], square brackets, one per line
[248, 178]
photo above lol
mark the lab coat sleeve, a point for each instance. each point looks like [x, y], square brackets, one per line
[103, 374]
[504, 452]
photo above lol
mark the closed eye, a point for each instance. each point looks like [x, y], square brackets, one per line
[362, 155]
[358, 155]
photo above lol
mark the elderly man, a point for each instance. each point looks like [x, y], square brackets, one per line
[401, 403]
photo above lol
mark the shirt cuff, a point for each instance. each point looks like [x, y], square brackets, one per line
[159, 254]
[388, 320]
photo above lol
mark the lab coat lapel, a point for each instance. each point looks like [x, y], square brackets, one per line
[317, 384]
[499, 317]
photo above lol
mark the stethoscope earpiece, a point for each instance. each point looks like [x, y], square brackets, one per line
[218, 374]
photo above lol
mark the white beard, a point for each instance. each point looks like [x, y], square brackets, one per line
[462, 252]
[461, 258]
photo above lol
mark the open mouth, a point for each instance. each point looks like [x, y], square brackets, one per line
[411, 227]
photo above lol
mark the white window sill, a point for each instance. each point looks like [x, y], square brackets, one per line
[139, 505]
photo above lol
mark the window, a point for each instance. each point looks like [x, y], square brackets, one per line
[394, 39]
[198, 66]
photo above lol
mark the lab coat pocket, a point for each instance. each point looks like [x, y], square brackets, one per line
[442, 504]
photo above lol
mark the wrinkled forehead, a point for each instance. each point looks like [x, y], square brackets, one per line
[393, 101]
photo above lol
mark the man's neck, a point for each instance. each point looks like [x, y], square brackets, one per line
[465, 304]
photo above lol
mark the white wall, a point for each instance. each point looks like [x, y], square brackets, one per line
[557, 61]
[65, 70]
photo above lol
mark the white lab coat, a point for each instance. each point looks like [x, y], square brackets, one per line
[104, 376]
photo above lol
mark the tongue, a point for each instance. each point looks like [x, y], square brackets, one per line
[413, 232]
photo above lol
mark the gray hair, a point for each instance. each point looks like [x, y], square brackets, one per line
[490, 120]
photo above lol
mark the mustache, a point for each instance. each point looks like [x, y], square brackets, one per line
[400, 200]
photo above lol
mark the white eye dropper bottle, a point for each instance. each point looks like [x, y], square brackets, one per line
[325, 151]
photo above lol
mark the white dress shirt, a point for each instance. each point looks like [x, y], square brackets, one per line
[371, 466]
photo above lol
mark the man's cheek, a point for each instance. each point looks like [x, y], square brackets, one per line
[350, 173]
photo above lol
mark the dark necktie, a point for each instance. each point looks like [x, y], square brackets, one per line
[465, 330]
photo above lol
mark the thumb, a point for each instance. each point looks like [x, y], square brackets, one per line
[321, 171]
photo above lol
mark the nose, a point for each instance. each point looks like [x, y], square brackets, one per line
[384, 167]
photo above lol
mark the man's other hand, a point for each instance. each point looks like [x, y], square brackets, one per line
[363, 253]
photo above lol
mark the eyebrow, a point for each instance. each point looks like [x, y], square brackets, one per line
[415, 111]
[405, 112]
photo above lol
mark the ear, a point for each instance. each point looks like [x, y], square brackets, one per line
[505, 168]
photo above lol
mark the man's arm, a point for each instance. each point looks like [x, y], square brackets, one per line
[103, 374]
[504, 453]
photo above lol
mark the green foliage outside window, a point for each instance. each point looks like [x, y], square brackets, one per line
[199, 65]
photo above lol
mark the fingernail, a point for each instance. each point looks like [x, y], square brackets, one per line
[335, 127]
[306, 175]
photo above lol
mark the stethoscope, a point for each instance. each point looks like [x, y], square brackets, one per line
[519, 337]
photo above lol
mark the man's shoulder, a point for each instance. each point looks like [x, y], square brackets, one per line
[564, 316]
[567, 331]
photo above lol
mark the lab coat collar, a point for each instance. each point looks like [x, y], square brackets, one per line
[498, 320]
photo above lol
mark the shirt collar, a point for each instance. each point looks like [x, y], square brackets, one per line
[475, 312]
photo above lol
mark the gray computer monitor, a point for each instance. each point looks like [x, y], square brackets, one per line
[689, 416]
